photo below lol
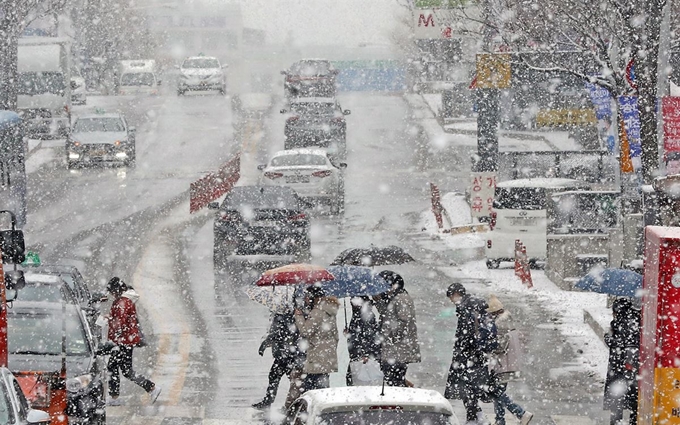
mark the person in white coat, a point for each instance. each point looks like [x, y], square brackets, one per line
[505, 363]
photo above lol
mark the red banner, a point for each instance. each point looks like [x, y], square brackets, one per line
[214, 185]
[670, 108]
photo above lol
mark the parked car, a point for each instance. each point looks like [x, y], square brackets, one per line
[519, 212]
[368, 405]
[261, 221]
[310, 77]
[201, 73]
[89, 302]
[311, 173]
[100, 138]
[316, 122]
[41, 331]
[14, 408]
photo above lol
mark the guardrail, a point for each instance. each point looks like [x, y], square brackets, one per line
[214, 185]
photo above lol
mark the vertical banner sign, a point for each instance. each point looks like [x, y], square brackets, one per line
[601, 100]
[482, 190]
[670, 108]
[631, 124]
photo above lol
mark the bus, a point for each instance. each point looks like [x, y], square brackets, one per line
[13, 166]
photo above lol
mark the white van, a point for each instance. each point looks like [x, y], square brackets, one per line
[519, 212]
[138, 77]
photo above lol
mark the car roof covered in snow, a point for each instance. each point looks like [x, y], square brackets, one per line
[105, 115]
[357, 398]
[33, 277]
[301, 151]
[542, 183]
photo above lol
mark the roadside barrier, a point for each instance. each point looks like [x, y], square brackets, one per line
[522, 268]
[214, 185]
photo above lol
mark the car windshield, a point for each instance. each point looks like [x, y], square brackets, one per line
[384, 416]
[34, 83]
[137, 79]
[200, 63]
[39, 331]
[313, 108]
[310, 68]
[261, 198]
[522, 198]
[292, 160]
[98, 124]
[48, 292]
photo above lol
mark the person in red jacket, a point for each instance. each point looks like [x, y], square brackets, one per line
[124, 332]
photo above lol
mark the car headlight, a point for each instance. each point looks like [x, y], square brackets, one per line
[121, 155]
[78, 383]
[73, 155]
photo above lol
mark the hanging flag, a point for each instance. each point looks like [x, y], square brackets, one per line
[631, 123]
[626, 161]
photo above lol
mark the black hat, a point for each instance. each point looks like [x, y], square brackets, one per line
[456, 288]
[315, 291]
[395, 281]
[115, 285]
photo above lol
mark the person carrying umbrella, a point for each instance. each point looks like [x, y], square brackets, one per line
[623, 340]
[283, 339]
[362, 334]
[398, 330]
[319, 329]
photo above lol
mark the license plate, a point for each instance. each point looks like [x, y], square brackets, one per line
[524, 221]
[265, 223]
[297, 179]
[98, 153]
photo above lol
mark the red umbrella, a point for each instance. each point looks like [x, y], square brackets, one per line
[294, 274]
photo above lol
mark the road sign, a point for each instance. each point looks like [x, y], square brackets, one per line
[631, 122]
[493, 71]
[630, 74]
[670, 108]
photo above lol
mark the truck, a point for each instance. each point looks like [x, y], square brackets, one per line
[138, 77]
[44, 86]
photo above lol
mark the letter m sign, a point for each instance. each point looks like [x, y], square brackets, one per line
[425, 21]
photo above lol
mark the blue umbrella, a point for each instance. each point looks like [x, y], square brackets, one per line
[353, 281]
[617, 282]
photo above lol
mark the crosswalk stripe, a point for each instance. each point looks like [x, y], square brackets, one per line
[572, 420]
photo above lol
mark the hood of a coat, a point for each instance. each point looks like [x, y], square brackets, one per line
[131, 294]
[329, 305]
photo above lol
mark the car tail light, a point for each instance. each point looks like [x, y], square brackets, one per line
[229, 216]
[117, 143]
[489, 243]
[324, 173]
[492, 223]
[298, 217]
[271, 175]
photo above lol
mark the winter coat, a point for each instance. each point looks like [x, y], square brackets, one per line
[363, 338]
[469, 372]
[283, 337]
[507, 360]
[624, 351]
[123, 324]
[320, 330]
[398, 330]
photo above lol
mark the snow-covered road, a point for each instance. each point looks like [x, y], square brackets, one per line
[205, 332]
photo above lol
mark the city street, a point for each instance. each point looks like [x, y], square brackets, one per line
[203, 330]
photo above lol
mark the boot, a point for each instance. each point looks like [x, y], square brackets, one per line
[264, 404]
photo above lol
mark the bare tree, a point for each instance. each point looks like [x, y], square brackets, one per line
[607, 35]
[15, 15]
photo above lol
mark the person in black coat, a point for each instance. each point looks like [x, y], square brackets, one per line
[623, 340]
[468, 373]
[283, 339]
[362, 334]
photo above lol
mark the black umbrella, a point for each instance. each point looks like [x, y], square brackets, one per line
[372, 257]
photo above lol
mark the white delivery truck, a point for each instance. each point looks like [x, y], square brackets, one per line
[138, 77]
[44, 87]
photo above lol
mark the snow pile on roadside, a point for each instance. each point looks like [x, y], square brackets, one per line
[567, 307]
[459, 212]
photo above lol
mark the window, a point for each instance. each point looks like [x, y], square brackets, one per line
[40, 332]
[202, 63]
[311, 68]
[313, 108]
[384, 416]
[137, 79]
[6, 416]
[296, 160]
[84, 125]
[525, 198]
[34, 83]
